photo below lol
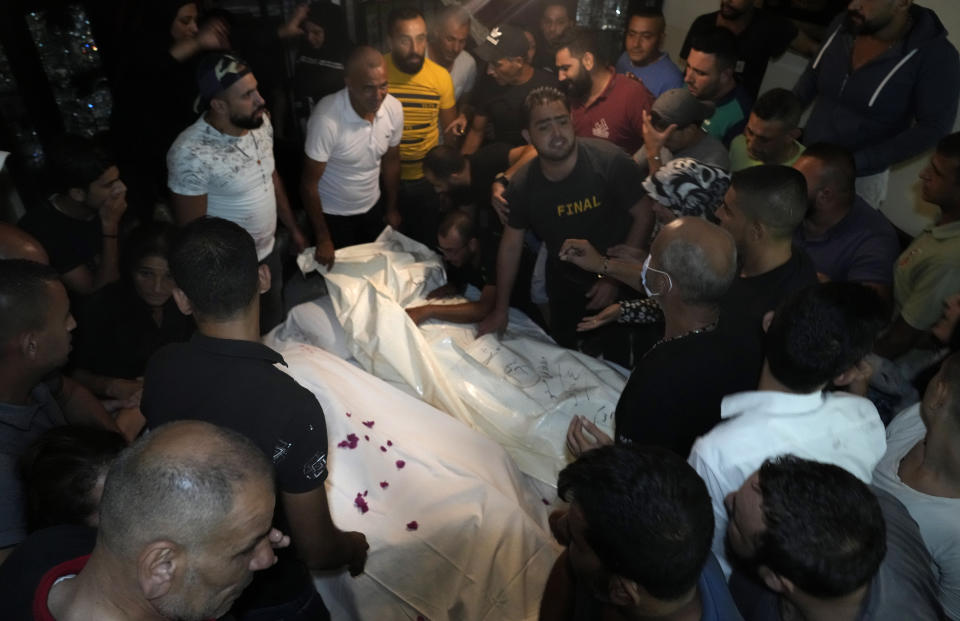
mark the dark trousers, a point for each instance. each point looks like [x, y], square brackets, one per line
[420, 209]
[271, 302]
[308, 606]
[356, 229]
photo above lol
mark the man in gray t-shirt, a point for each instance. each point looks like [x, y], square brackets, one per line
[818, 537]
[672, 130]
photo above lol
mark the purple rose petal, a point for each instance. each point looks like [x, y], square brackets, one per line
[389, 443]
[384, 485]
[412, 525]
[361, 503]
[368, 423]
[401, 464]
[383, 448]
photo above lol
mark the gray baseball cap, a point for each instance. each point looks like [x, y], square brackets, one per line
[504, 41]
[679, 106]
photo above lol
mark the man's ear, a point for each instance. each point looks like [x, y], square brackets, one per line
[218, 105]
[183, 302]
[587, 61]
[795, 133]
[859, 371]
[157, 568]
[263, 277]
[624, 592]
[29, 345]
[526, 135]
[774, 581]
[767, 320]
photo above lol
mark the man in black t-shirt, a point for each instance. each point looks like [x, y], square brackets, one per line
[574, 188]
[505, 51]
[471, 260]
[762, 208]
[225, 376]
[761, 35]
[673, 394]
[79, 223]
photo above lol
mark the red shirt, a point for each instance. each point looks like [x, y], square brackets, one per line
[616, 115]
[67, 568]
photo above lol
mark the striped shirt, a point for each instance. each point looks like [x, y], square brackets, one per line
[422, 95]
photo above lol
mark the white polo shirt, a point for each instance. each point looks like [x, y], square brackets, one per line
[352, 147]
[235, 172]
[831, 427]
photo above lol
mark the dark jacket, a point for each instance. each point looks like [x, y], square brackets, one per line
[896, 106]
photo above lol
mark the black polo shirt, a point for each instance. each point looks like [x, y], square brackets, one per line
[236, 384]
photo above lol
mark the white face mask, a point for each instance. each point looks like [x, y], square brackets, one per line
[643, 278]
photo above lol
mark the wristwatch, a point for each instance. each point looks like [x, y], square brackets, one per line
[502, 179]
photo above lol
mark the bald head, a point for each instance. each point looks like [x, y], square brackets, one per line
[366, 78]
[700, 257]
[363, 60]
[178, 483]
[15, 243]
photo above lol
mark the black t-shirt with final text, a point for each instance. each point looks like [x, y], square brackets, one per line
[592, 203]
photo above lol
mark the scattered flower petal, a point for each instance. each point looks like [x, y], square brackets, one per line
[361, 503]
[384, 485]
[401, 464]
[349, 414]
[389, 443]
[368, 423]
[412, 525]
[383, 448]
[367, 438]
[350, 442]
[365, 493]
[545, 501]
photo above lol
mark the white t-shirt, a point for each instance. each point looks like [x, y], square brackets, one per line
[831, 427]
[463, 74]
[235, 172]
[352, 148]
[938, 518]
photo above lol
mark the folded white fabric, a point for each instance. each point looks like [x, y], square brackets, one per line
[521, 390]
[454, 530]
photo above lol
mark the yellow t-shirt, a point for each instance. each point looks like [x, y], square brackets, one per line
[422, 95]
[740, 157]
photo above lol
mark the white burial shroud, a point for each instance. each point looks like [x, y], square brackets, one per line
[521, 390]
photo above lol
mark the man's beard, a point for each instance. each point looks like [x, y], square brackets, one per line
[248, 122]
[578, 88]
[411, 63]
[558, 156]
[728, 12]
[864, 26]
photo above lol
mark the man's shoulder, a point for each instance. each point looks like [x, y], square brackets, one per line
[331, 106]
[602, 151]
[198, 140]
[704, 22]
[393, 108]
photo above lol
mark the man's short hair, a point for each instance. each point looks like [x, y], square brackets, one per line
[839, 166]
[444, 161]
[693, 274]
[450, 12]
[561, 3]
[541, 96]
[402, 14]
[214, 262]
[581, 40]
[824, 529]
[821, 331]
[459, 220]
[949, 147]
[148, 496]
[648, 514]
[718, 42]
[76, 162]
[60, 471]
[773, 195]
[24, 296]
[363, 56]
[779, 104]
[647, 13]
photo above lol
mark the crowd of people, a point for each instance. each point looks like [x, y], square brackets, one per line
[785, 446]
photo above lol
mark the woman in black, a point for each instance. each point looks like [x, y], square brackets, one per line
[120, 326]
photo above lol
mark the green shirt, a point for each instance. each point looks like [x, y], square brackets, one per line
[926, 274]
[740, 157]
